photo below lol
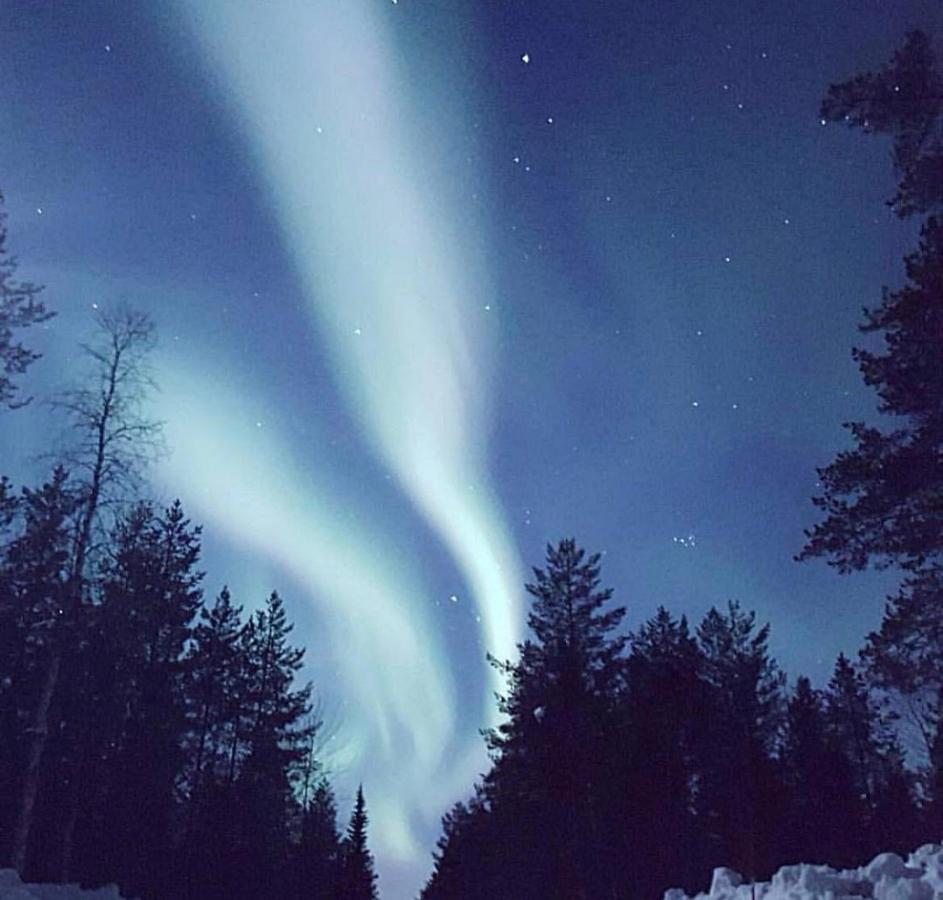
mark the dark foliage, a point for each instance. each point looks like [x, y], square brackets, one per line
[627, 766]
[178, 740]
[20, 307]
[358, 879]
[883, 498]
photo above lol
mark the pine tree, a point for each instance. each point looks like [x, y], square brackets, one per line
[268, 735]
[879, 498]
[131, 735]
[358, 878]
[20, 307]
[319, 852]
[471, 860]
[740, 732]
[36, 566]
[213, 689]
[904, 100]
[110, 440]
[825, 818]
[653, 759]
[545, 785]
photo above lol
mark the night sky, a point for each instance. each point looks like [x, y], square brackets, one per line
[438, 282]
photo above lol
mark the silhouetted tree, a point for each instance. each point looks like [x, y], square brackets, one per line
[319, 854]
[653, 759]
[825, 816]
[358, 878]
[880, 499]
[35, 574]
[737, 792]
[111, 438]
[20, 307]
[905, 101]
[130, 738]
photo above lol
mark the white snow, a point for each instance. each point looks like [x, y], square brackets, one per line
[11, 888]
[886, 877]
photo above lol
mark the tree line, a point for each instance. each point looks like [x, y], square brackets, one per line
[628, 764]
[149, 735]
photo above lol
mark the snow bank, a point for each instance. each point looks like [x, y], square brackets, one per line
[886, 877]
[11, 888]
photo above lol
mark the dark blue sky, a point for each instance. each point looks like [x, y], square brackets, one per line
[608, 292]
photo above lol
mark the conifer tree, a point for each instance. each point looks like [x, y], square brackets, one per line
[131, 736]
[825, 818]
[746, 694]
[319, 853]
[110, 440]
[36, 566]
[560, 704]
[654, 758]
[20, 307]
[881, 783]
[358, 878]
[213, 669]
[880, 498]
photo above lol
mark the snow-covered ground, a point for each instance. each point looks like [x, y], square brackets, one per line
[886, 877]
[11, 888]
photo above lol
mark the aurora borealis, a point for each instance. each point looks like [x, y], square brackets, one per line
[439, 282]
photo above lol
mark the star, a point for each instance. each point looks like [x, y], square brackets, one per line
[525, 58]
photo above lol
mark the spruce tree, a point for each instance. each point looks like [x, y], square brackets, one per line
[746, 696]
[358, 876]
[36, 567]
[824, 818]
[653, 758]
[319, 854]
[131, 735]
[213, 688]
[546, 784]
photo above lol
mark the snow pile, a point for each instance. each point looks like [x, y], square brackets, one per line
[11, 888]
[886, 877]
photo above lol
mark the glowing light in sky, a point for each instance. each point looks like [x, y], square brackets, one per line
[391, 666]
[323, 107]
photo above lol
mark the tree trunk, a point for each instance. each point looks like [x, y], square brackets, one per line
[39, 731]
